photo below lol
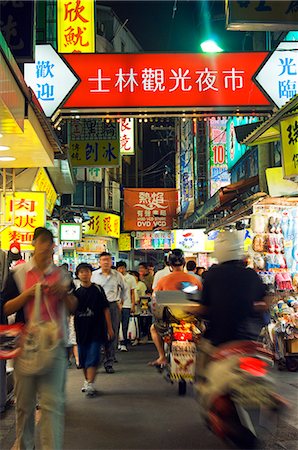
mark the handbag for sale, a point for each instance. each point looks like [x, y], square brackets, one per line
[10, 340]
[40, 342]
[133, 328]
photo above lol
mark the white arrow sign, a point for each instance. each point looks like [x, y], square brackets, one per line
[279, 75]
[49, 77]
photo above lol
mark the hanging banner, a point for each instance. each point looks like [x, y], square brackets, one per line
[94, 143]
[260, 15]
[42, 183]
[149, 208]
[27, 211]
[219, 175]
[186, 151]
[76, 26]
[166, 80]
[126, 137]
[289, 140]
[102, 224]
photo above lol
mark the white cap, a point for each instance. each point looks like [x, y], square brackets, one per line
[229, 246]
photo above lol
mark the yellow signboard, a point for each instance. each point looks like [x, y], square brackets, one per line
[102, 224]
[76, 27]
[261, 15]
[124, 242]
[289, 141]
[101, 153]
[42, 183]
[27, 211]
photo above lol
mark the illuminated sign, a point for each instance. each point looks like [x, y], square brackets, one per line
[102, 224]
[185, 148]
[76, 27]
[94, 143]
[278, 76]
[49, 78]
[42, 183]
[149, 208]
[126, 127]
[219, 175]
[147, 240]
[124, 242]
[289, 140]
[172, 80]
[234, 149]
[70, 232]
[27, 211]
[192, 241]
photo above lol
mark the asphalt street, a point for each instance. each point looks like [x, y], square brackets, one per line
[137, 409]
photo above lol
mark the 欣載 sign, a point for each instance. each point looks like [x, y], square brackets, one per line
[75, 24]
[171, 80]
[102, 224]
[289, 140]
[94, 143]
[149, 208]
[27, 211]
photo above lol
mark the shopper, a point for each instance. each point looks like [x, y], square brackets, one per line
[128, 306]
[161, 273]
[191, 267]
[18, 297]
[115, 289]
[145, 276]
[140, 293]
[170, 282]
[92, 324]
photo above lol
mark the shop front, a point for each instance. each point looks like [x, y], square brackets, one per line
[196, 245]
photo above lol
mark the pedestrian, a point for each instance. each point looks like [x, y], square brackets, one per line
[128, 306]
[161, 273]
[18, 297]
[140, 293]
[92, 324]
[151, 269]
[200, 270]
[191, 267]
[115, 289]
[145, 276]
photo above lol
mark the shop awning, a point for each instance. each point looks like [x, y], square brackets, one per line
[269, 130]
[221, 199]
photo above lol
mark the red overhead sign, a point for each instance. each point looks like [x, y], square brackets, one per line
[166, 80]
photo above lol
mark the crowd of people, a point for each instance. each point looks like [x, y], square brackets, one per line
[96, 304]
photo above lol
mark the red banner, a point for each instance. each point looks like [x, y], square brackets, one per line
[149, 209]
[165, 80]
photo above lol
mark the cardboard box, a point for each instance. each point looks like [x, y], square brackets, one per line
[292, 345]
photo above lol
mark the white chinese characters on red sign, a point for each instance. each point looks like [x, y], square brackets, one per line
[151, 209]
[127, 137]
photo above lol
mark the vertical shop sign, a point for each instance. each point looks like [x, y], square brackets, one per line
[186, 144]
[76, 26]
[42, 183]
[235, 150]
[26, 211]
[94, 143]
[219, 175]
[126, 137]
[149, 208]
[289, 139]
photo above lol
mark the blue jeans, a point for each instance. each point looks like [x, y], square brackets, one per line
[110, 346]
[125, 314]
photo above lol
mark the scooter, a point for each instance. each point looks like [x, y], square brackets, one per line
[237, 393]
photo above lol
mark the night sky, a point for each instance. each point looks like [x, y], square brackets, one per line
[154, 26]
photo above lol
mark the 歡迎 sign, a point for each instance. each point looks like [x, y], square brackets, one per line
[261, 15]
[102, 224]
[126, 136]
[42, 183]
[172, 80]
[76, 27]
[94, 143]
[278, 76]
[149, 208]
[289, 141]
[219, 174]
[49, 78]
[27, 211]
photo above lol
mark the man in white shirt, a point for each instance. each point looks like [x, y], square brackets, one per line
[161, 273]
[128, 304]
[116, 291]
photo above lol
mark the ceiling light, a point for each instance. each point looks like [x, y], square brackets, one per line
[210, 46]
[3, 148]
[7, 158]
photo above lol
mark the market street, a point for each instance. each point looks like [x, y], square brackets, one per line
[137, 409]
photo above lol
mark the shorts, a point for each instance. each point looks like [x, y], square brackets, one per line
[89, 354]
[161, 326]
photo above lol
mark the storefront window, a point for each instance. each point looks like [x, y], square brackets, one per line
[90, 194]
